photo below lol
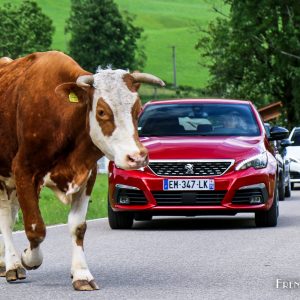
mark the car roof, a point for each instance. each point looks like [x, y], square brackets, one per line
[206, 100]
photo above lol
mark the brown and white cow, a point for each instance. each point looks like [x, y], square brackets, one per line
[56, 121]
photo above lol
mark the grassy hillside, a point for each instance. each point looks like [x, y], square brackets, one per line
[166, 23]
[58, 11]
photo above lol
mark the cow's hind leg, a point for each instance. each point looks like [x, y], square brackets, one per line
[14, 213]
[2, 260]
[8, 208]
[82, 277]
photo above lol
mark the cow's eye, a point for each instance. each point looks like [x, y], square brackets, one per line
[101, 113]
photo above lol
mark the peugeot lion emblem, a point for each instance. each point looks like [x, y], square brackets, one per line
[189, 169]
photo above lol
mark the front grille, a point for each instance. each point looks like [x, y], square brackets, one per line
[190, 168]
[244, 196]
[194, 198]
[294, 175]
[136, 197]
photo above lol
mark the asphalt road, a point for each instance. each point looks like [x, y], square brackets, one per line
[178, 258]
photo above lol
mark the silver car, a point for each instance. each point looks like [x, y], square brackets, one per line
[293, 152]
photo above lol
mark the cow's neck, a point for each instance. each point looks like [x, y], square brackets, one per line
[80, 150]
[76, 165]
[85, 152]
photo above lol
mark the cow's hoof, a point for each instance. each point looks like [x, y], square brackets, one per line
[38, 262]
[27, 267]
[15, 274]
[84, 285]
[2, 271]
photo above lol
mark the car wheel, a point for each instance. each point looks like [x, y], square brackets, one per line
[288, 190]
[119, 220]
[281, 190]
[268, 218]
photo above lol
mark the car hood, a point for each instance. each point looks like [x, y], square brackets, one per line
[236, 148]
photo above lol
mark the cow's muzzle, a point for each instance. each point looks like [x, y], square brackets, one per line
[136, 160]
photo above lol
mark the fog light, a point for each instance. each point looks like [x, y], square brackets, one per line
[256, 199]
[124, 199]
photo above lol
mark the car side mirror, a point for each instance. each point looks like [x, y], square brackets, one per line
[286, 143]
[278, 133]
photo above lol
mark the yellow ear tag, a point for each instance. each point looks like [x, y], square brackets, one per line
[73, 98]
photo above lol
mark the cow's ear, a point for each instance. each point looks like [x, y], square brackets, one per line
[71, 92]
[131, 84]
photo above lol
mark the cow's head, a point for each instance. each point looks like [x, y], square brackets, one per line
[114, 110]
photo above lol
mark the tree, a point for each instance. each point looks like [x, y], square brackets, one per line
[24, 29]
[252, 53]
[101, 36]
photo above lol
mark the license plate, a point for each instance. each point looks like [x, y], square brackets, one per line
[188, 184]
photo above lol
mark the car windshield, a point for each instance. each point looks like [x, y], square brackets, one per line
[198, 119]
[296, 138]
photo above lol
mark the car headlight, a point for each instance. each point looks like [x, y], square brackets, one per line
[259, 161]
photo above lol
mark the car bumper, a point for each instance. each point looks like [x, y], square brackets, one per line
[234, 191]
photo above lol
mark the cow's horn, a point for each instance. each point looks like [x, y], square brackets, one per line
[147, 78]
[85, 80]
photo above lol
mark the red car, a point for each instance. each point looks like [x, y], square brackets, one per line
[206, 156]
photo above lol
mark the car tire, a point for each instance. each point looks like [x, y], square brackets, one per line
[288, 190]
[281, 189]
[292, 185]
[119, 220]
[268, 218]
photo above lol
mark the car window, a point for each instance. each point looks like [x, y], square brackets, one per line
[196, 119]
[267, 128]
[296, 138]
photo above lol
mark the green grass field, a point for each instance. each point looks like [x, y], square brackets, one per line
[166, 23]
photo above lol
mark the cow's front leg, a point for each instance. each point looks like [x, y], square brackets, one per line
[82, 277]
[34, 225]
